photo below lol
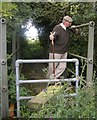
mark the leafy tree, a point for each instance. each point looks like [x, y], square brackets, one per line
[16, 15]
[46, 15]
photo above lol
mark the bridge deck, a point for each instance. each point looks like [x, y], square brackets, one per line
[44, 96]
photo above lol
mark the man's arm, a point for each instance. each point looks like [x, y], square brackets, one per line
[74, 30]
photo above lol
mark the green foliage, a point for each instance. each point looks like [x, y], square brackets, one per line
[15, 13]
[32, 50]
[7, 10]
[45, 16]
[83, 106]
[12, 88]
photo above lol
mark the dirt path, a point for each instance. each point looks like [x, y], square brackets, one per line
[34, 72]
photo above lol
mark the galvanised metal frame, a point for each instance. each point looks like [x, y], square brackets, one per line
[90, 53]
[18, 81]
[3, 70]
[3, 62]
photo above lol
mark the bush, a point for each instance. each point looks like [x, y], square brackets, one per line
[12, 88]
[83, 106]
[32, 50]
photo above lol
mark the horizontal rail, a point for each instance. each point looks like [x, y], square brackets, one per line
[91, 23]
[47, 80]
[46, 61]
[78, 26]
[25, 97]
[81, 57]
[70, 95]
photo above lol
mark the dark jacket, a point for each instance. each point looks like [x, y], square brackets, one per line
[60, 41]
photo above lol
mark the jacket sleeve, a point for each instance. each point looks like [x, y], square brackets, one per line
[56, 30]
[74, 30]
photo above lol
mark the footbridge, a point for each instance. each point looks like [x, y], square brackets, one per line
[4, 102]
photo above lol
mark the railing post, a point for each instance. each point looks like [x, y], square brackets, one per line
[3, 70]
[17, 90]
[0, 64]
[90, 54]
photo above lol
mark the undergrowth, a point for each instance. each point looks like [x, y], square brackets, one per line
[81, 106]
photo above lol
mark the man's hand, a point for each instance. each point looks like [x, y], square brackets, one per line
[52, 35]
[76, 31]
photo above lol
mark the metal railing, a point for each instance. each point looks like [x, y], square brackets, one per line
[3, 59]
[90, 51]
[18, 81]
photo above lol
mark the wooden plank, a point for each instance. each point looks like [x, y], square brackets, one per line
[44, 96]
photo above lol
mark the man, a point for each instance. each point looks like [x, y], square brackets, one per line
[58, 47]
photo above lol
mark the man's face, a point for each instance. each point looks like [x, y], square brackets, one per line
[68, 24]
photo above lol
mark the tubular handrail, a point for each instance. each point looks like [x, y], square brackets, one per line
[18, 81]
[81, 57]
[91, 23]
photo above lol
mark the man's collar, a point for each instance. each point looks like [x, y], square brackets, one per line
[62, 25]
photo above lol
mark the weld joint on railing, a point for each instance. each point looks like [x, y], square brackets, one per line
[18, 62]
[92, 23]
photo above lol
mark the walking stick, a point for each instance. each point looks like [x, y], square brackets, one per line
[53, 58]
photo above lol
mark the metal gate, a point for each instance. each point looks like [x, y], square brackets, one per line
[18, 81]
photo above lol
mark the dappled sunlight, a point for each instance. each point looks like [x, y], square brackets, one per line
[31, 33]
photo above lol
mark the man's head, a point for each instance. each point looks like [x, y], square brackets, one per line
[67, 21]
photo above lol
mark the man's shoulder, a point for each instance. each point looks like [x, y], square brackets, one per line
[58, 26]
